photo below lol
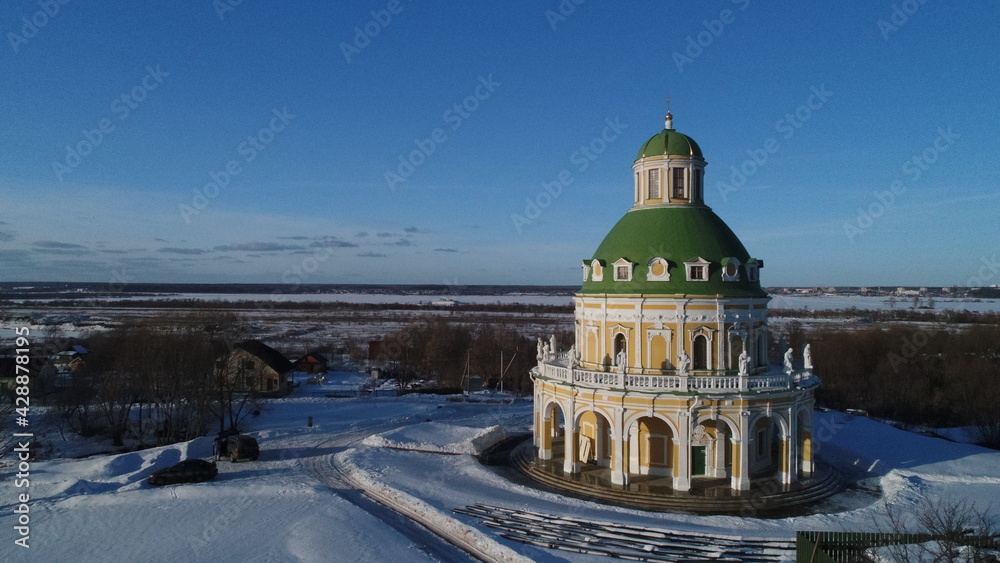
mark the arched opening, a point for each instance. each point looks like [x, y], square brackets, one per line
[766, 447]
[620, 346]
[804, 465]
[700, 351]
[718, 443]
[594, 442]
[552, 432]
[651, 443]
[735, 349]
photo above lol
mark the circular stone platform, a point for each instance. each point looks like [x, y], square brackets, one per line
[766, 498]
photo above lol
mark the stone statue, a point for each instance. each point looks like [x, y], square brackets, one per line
[744, 363]
[621, 359]
[788, 361]
[807, 358]
[552, 344]
[571, 355]
[539, 355]
[546, 353]
[683, 363]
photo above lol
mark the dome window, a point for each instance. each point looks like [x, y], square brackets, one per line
[597, 270]
[679, 187]
[730, 269]
[586, 270]
[658, 270]
[753, 269]
[623, 270]
[697, 269]
[654, 184]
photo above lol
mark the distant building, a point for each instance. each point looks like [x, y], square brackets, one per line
[255, 366]
[313, 362]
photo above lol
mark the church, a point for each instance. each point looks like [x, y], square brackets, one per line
[669, 373]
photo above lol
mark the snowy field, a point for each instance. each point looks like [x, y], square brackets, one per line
[372, 298]
[834, 302]
[813, 303]
[300, 501]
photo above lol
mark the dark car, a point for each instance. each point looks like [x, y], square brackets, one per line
[187, 471]
[240, 447]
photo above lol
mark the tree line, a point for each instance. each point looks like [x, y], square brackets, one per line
[157, 382]
[938, 375]
[445, 351]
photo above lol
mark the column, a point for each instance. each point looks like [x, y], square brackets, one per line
[682, 466]
[570, 465]
[805, 433]
[545, 430]
[536, 439]
[807, 461]
[793, 448]
[719, 454]
[784, 473]
[741, 456]
[618, 475]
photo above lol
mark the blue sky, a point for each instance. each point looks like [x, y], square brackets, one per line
[184, 142]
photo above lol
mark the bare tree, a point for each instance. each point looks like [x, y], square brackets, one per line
[949, 530]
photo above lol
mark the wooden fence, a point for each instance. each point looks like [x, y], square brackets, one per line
[831, 547]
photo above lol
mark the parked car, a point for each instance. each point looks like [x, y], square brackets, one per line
[187, 471]
[239, 447]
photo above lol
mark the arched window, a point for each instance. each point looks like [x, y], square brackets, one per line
[735, 349]
[619, 346]
[700, 350]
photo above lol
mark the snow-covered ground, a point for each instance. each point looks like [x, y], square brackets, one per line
[778, 301]
[375, 298]
[861, 302]
[437, 437]
[299, 501]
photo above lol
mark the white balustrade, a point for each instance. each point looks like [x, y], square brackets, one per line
[659, 383]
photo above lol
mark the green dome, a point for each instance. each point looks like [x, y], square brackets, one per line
[669, 142]
[677, 234]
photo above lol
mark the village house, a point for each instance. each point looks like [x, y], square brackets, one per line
[253, 366]
[313, 362]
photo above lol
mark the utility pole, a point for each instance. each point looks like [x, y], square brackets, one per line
[503, 370]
